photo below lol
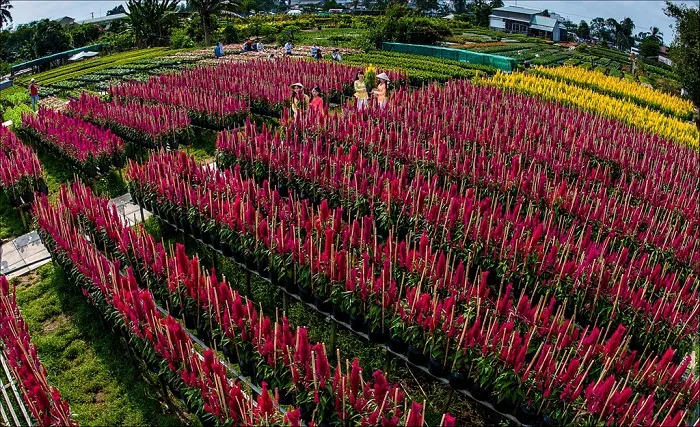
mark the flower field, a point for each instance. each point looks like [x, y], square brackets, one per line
[20, 171]
[150, 126]
[262, 83]
[90, 148]
[641, 117]
[43, 401]
[530, 240]
[621, 88]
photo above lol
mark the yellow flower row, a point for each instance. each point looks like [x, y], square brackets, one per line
[586, 99]
[598, 81]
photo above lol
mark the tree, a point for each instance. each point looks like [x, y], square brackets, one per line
[206, 8]
[481, 9]
[82, 35]
[649, 47]
[460, 6]
[151, 20]
[545, 13]
[657, 34]
[5, 15]
[583, 30]
[600, 30]
[117, 10]
[624, 37]
[425, 5]
[50, 37]
[685, 49]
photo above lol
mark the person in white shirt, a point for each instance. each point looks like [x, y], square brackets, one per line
[335, 55]
[288, 48]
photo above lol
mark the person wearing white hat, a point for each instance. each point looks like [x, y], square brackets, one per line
[300, 100]
[381, 91]
[34, 94]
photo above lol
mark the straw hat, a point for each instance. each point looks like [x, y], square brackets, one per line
[383, 76]
[296, 85]
[32, 80]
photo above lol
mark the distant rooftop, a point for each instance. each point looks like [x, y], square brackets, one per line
[104, 19]
[518, 9]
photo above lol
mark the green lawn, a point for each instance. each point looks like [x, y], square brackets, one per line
[89, 365]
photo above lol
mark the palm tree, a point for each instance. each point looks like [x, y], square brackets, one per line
[655, 33]
[206, 8]
[151, 20]
[5, 16]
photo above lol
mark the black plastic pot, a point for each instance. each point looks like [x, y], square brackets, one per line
[505, 406]
[378, 336]
[230, 353]
[416, 356]
[15, 200]
[283, 190]
[247, 369]
[458, 380]
[340, 315]
[226, 249]
[287, 397]
[118, 162]
[262, 269]
[190, 321]
[526, 414]
[43, 189]
[28, 196]
[322, 303]
[306, 411]
[215, 240]
[305, 294]
[481, 393]
[290, 285]
[357, 323]
[545, 421]
[436, 368]
[398, 345]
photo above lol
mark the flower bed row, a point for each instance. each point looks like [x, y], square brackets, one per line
[557, 259]
[587, 99]
[206, 109]
[44, 401]
[265, 84]
[150, 126]
[90, 148]
[398, 288]
[160, 339]
[620, 88]
[643, 205]
[20, 171]
[282, 357]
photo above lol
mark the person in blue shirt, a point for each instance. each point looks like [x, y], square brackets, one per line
[219, 50]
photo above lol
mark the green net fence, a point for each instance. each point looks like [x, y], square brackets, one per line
[500, 62]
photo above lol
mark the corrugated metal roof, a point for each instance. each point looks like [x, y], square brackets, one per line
[542, 27]
[543, 20]
[517, 9]
[101, 19]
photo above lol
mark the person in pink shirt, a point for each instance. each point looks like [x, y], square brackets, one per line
[317, 105]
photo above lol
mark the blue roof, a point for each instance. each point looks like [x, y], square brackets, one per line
[517, 9]
[543, 21]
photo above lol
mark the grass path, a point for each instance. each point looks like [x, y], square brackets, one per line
[87, 363]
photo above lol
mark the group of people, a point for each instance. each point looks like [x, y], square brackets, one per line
[317, 54]
[301, 101]
[380, 92]
[315, 104]
[257, 46]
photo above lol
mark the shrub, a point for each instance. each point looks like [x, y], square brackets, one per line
[179, 39]
[15, 113]
[230, 34]
[287, 34]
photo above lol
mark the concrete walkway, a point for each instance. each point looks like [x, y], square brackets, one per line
[27, 253]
